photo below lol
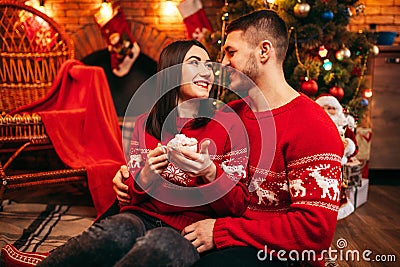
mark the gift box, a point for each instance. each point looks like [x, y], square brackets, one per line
[352, 173]
[358, 195]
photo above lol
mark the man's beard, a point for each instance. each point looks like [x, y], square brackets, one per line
[242, 83]
[251, 68]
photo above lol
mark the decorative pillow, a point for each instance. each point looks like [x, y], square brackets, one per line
[12, 257]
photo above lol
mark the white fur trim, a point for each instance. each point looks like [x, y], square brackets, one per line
[339, 119]
[330, 101]
[189, 7]
[350, 148]
[351, 122]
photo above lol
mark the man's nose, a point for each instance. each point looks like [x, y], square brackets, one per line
[225, 61]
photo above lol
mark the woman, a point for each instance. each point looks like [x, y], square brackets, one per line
[157, 211]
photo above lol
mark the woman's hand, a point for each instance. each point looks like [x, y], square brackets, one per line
[155, 164]
[194, 163]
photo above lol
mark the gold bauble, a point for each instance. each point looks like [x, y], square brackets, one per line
[301, 10]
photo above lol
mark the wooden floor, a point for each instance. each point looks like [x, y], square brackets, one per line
[374, 226]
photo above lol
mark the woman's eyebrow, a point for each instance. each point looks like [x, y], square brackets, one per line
[195, 57]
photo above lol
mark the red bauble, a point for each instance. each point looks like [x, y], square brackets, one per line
[337, 92]
[309, 87]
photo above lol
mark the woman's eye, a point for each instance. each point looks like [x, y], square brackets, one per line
[209, 65]
[194, 63]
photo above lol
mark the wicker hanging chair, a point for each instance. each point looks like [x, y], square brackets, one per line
[32, 49]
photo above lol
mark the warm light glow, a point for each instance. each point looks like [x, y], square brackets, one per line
[367, 93]
[168, 8]
[323, 52]
[270, 4]
[36, 4]
[106, 11]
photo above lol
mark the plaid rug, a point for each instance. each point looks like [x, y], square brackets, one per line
[32, 227]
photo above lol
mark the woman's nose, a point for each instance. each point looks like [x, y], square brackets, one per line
[206, 70]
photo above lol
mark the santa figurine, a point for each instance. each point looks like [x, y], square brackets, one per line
[335, 111]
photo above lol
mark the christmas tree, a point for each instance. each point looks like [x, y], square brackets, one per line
[323, 56]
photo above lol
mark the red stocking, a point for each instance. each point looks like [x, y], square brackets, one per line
[195, 19]
[123, 48]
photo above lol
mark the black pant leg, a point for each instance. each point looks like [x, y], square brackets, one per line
[160, 247]
[103, 244]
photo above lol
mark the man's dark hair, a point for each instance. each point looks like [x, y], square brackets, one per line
[263, 25]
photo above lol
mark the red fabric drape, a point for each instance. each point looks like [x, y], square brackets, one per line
[80, 119]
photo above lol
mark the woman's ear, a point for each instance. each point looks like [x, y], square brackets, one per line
[265, 50]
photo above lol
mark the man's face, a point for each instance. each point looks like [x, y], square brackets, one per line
[240, 56]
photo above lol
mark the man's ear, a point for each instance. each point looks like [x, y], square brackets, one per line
[265, 50]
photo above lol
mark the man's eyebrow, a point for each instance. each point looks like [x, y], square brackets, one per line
[226, 47]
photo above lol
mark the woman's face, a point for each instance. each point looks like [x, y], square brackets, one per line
[197, 75]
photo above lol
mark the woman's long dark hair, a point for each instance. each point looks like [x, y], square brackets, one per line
[159, 117]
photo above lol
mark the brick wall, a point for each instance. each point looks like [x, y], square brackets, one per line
[153, 30]
[150, 27]
[384, 13]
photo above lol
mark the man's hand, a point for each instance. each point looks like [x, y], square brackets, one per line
[121, 189]
[200, 234]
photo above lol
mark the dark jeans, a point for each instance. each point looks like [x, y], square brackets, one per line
[238, 257]
[125, 239]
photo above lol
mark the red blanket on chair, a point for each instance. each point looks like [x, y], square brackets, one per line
[80, 119]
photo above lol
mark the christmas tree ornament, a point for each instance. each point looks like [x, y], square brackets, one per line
[195, 19]
[339, 55]
[337, 92]
[346, 52]
[364, 102]
[368, 93]
[309, 87]
[301, 10]
[327, 65]
[374, 50]
[322, 52]
[356, 71]
[327, 16]
[123, 48]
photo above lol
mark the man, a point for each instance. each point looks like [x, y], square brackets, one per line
[295, 194]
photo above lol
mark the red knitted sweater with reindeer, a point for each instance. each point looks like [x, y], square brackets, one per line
[295, 179]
